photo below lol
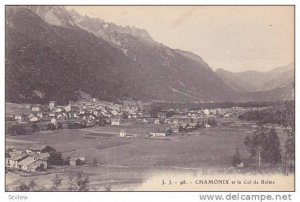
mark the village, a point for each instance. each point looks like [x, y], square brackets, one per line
[103, 141]
[101, 113]
[41, 118]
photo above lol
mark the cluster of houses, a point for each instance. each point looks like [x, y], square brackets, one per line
[173, 125]
[75, 115]
[95, 112]
[180, 120]
[36, 158]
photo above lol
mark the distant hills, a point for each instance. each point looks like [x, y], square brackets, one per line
[53, 54]
[277, 84]
[258, 81]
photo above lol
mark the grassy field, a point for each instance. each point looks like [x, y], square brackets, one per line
[130, 160]
[213, 146]
[13, 108]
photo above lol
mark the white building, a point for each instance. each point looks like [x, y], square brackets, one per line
[18, 117]
[59, 109]
[52, 104]
[115, 122]
[34, 119]
[54, 121]
[156, 121]
[114, 112]
[158, 134]
[123, 133]
[207, 126]
[68, 108]
[206, 111]
[35, 109]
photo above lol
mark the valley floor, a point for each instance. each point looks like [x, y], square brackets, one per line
[125, 163]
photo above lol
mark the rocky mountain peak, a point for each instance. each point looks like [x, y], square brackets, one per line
[55, 15]
[109, 31]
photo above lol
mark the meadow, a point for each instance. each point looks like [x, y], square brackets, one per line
[130, 160]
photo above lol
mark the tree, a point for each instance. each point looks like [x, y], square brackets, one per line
[170, 113]
[23, 187]
[169, 131]
[289, 117]
[17, 129]
[212, 122]
[83, 184]
[56, 182]
[248, 143]
[55, 159]
[59, 126]
[77, 182]
[71, 186]
[102, 122]
[265, 144]
[125, 115]
[94, 162]
[34, 127]
[154, 111]
[198, 125]
[236, 158]
[180, 129]
[107, 188]
[51, 126]
[290, 153]
[32, 185]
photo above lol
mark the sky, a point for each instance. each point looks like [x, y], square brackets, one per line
[235, 38]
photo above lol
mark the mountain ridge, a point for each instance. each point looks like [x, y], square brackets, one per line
[54, 53]
[243, 81]
[138, 68]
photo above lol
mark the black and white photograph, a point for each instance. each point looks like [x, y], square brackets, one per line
[149, 98]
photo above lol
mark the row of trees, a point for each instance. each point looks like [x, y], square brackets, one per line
[28, 129]
[273, 116]
[76, 182]
[212, 105]
[264, 144]
[283, 115]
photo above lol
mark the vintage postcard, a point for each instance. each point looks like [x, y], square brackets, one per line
[149, 98]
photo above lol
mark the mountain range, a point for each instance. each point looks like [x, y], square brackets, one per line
[252, 81]
[54, 54]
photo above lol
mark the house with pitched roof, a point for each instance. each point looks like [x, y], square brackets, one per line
[40, 148]
[30, 163]
[15, 159]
